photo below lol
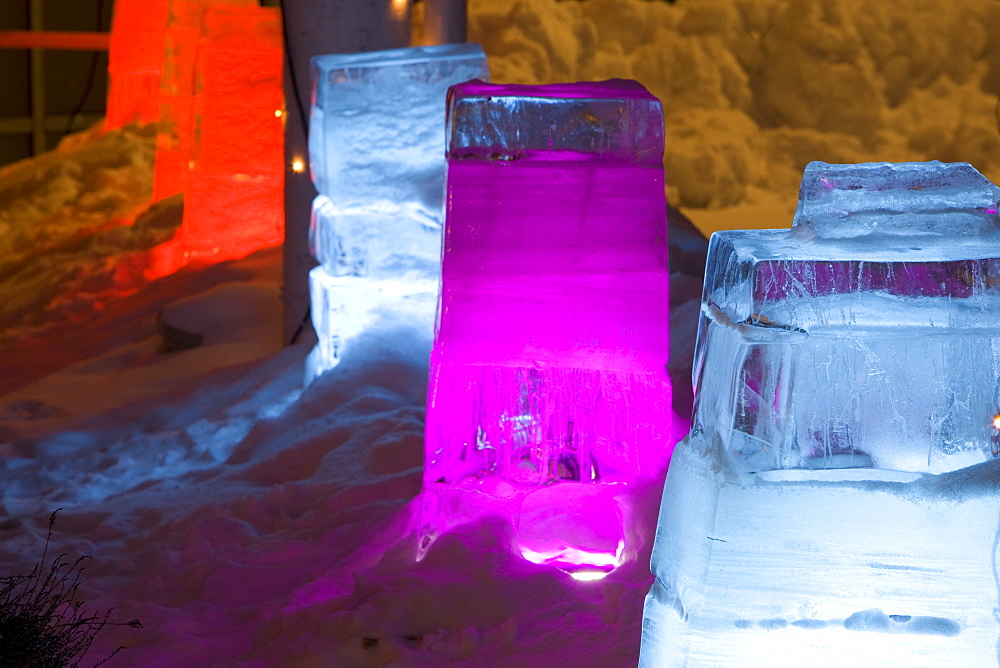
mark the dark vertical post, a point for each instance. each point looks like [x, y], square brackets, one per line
[315, 27]
[445, 21]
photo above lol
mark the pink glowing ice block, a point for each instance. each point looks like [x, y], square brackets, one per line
[548, 387]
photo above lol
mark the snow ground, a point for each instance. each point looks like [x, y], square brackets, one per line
[242, 519]
[246, 521]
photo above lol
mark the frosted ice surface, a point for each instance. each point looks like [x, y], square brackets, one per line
[878, 338]
[548, 378]
[556, 121]
[376, 148]
[358, 245]
[376, 130]
[838, 498]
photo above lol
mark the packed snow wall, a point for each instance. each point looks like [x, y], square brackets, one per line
[753, 90]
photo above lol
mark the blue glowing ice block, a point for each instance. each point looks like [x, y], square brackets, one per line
[837, 499]
[376, 153]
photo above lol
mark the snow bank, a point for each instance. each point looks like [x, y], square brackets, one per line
[66, 227]
[755, 89]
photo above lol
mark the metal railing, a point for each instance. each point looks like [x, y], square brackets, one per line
[37, 41]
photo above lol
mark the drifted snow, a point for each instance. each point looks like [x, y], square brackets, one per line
[241, 518]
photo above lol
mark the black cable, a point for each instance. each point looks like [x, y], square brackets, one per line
[301, 327]
[91, 75]
[291, 70]
[293, 80]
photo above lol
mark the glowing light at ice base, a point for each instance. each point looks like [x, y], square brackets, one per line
[836, 501]
[548, 392]
[376, 157]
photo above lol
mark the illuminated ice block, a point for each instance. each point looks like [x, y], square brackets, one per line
[135, 62]
[376, 153]
[837, 499]
[376, 125]
[175, 133]
[234, 184]
[548, 388]
[220, 136]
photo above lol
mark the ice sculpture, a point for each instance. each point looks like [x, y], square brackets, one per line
[234, 187]
[548, 388]
[837, 499]
[135, 61]
[376, 151]
[220, 137]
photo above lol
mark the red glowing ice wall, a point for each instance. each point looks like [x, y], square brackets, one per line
[176, 96]
[233, 194]
[220, 139]
[548, 389]
[135, 61]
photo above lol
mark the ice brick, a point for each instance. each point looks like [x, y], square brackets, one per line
[234, 185]
[220, 132]
[376, 130]
[135, 62]
[344, 308]
[866, 330]
[355, 245]
[376, 147]
[175, 131]
[548, 369]
[836, 502]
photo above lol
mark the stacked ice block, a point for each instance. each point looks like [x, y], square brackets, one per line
[135, 61]
[837, 500]
[548, 388]
[234, 186]
[376, 149]
[220, 134]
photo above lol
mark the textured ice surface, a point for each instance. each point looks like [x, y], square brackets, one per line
[376, 148]
[345, 307]
[869, 330]
[234, 188]
[844, 567]
[838, 499]
[548, 383]
[376, 131]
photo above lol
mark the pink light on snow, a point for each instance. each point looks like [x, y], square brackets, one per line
[548, 389]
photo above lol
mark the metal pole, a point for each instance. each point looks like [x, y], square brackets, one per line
[312, 28]
[37, 60]
[54, 40]
[445, 21]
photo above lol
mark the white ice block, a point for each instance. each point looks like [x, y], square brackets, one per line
[376, 149]
[376, 128]
[344, 308]
[837, 500]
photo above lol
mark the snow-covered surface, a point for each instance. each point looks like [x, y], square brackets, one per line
[244, 519]
[240, 518]
[753, 90]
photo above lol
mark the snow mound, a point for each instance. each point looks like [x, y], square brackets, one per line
[755, 89]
